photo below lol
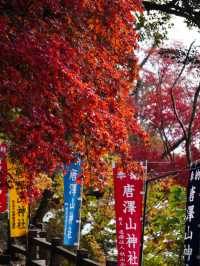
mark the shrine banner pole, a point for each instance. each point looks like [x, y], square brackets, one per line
[79, 228]
[8, 226]
[143, 220]
[146, 184]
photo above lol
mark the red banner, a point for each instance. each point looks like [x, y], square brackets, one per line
[128, 205]
[3, 174]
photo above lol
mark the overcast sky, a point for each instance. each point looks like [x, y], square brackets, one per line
[181, 33]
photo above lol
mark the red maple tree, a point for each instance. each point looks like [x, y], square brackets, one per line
[169, 108]
[66, 68]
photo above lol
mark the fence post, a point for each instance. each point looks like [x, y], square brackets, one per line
[80, 255]
[41, 233]
[31, 249]
[56, 241]
[42, 253]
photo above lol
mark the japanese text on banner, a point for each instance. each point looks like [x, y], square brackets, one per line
[18, 205]
[72, 203]
[128, 205]
[192, 230]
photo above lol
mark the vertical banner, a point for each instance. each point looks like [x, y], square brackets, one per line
[3, 178]
[192, 229]
[128, 206]
[72, 204]
[18, 205]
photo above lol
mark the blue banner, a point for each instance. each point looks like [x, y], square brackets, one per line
[72, 204]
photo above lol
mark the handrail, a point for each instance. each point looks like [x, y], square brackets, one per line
[18, 249]
[57, 250]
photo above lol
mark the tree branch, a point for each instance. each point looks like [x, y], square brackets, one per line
[185, 132]
[146, 58]
[139, 81]
[43, 207]
[194, 107]
[189, 132]
[172, 9]
[172, 95]
[163, 136]
[174, 146]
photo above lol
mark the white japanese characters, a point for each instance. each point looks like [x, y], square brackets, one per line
[188, 252]
[131, 240]
[128, 191]
[130, 225]
[190, 213]
[192, 193]
[129, 206]
[128, 217]
[188, 233]
[132, 258]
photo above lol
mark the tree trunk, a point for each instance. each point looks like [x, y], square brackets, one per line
[43, 207]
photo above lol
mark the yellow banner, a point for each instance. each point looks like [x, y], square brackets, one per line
[18, 205]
